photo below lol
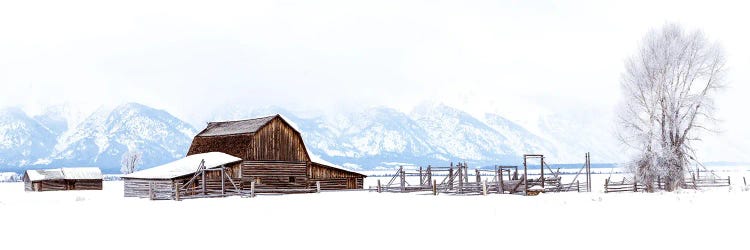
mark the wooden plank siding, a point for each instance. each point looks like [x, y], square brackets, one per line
[51, 185]
[162, 189]
[84, 184]
[277, 141]
[62, 185]
[333, 178]
[275, 175]
[234, 145]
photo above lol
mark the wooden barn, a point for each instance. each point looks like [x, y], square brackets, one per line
[63, 179]
[273, 156]
[206, 174]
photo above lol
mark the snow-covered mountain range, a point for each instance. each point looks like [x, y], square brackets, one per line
[61, 138]
[367, 139]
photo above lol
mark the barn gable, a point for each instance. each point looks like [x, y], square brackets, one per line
[260, 139]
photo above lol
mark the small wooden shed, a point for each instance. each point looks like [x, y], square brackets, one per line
[212, 173]
[63, 179]
[273, 156]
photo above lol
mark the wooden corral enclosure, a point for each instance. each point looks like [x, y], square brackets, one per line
[456, 179]
[273, 155]
[63, 179]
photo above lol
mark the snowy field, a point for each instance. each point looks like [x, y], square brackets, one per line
[706, 219]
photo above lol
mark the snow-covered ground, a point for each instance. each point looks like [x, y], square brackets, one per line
[709, 219]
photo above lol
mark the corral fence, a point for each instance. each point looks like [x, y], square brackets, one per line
[692, 182]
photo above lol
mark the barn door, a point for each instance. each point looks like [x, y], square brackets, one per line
[351, 183]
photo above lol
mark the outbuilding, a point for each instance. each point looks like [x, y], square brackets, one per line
[205, 174]
[88, 178]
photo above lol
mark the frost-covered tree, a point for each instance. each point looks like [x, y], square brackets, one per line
[130, 161]
[668, 87]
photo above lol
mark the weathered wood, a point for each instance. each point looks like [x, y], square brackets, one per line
[252, 189]
[177, 192]
[501, 187]
[434, 187]
[526, 183]
[421, 178]
[403, 178]
[460, 178]
[317, 185]
[450, 177]
[429, 174]
[379, 188]
[541, 168]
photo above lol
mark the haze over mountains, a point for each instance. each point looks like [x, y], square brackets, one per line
[371, 138]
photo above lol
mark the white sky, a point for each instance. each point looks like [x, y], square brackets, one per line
[192, 58]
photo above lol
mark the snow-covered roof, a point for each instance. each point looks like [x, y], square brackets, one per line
[235, 127]
[317, 159]
[82, 173]
[184, 166]
[45, 174]
[87, 173]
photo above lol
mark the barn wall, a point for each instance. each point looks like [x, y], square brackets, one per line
[53, 185]
[277, 141]
[333, 178]
[235, 145]
[277, 175]
[84, 184]
[27, 185]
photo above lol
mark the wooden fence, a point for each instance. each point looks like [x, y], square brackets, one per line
[633, 185]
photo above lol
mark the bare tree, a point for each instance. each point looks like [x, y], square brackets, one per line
[130, 161]
[668, 87]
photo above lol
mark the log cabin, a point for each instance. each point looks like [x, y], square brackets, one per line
[273, 155]
[63, 179]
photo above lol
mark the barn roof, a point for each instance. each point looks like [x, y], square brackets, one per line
[184, 166]
[235, 127]
[64, 174]
[45, 174]
[316, 159]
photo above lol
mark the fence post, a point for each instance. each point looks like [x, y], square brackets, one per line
[151, 191]
[252, 189]
[479, 175]
[658, 180]
[317, 186]
[695, 183]
[500, 184]
[421, 178]
[606, 185]
[484, 188]
[578, 186]
[378, 186]
[434, 187]
[744, 181]
[403, 178]
[450, 177]
[177, 191]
